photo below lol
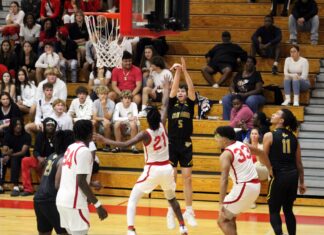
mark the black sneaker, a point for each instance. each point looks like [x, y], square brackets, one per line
[135, 150]
[274, 70]
[106, 148]
[273, 13]
[25, 194]
[284, 13]
[115, 150]
[15, 193]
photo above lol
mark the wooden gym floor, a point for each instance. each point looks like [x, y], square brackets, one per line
[17, 218]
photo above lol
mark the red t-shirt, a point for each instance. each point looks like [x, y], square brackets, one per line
[126, 80]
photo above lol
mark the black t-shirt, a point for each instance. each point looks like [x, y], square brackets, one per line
[283, 150]
[246, 84]
[69, 50]
[77, 32]
[16, 142]
[43, 145]
[46, 191]
[13, 112]
[180, 124]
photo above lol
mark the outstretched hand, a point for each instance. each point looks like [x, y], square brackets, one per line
[176, 66]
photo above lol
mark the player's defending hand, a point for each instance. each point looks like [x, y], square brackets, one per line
[102, 213]
[302, 189]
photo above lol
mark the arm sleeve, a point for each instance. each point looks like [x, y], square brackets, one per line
[40, 62]
[38, 145]
[63, 91]
[134, 109]
[42, 10]
[313, 12]
[72, 107]
[278, 37]
[138, 75]
[84, 161]
[255, 36]
[56, 5]
[305, 70]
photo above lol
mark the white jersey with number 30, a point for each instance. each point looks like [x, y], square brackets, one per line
[157, 150]
[242, 167]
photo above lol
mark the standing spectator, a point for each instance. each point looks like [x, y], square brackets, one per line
[15, 148]
[296, 75]
[8, 110]
[47, 34]
[30, 31]
[31, 6]
[223, 58]
[147, 55]
[8, 57]
[64, 121]
[81, 107]
[128, 77]
[241, 114]
[103, 109]
[67, 51]
[125, 119]
[7, 85]
[49, 59]
[304, 17]
[25, 90]
[284, 9]
[50, 9]
[27, 60]
[44, 147]
[100, 76]
[266, 42]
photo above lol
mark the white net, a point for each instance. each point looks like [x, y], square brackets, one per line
[106, 39]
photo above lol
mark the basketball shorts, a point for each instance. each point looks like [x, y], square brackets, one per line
[74, 220]
[241, 197]
[158, 96]
[154, 176]
[182, 153]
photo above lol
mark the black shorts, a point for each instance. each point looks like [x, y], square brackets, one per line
[219, 67]
[182, 153]
[47, 217]
[158, 97]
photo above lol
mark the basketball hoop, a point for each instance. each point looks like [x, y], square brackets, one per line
[104, 32]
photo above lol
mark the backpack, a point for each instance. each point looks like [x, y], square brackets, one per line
[204, 106]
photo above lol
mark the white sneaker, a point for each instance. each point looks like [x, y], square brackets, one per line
[253, 206]
[286, 102]
[143, 113]
[183, 230]
[131, 232]
[190, 217]
[216, 86]
[170, 220]
[112, 10]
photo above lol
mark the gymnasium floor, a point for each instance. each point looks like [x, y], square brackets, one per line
[17, 218]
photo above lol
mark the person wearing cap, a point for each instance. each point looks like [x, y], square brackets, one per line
[125, 119]
[223, 58]
[128, 77]
[67, 51]
[81, 107]
[64, 120]
[43, 148]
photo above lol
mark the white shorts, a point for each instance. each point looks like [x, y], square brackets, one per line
[75, 221]
[153, 176]
[241, 197]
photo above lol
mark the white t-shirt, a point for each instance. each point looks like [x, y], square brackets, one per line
[64, 122]
[77, 161]
[81, 111]
[30, 34]
[48, 60]
[28, 93]
[59, 90]
[293, 68]
[18, 18]
[96, 81]
[122, 114]
[158, 78]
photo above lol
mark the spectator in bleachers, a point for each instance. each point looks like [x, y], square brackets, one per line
[91, 56]
[43, 148]
[241, 114]
[81, 107]
[13, 22]
[47, 34]
[103, 109]
[100, 76]
[44, 109]
[304, 16]
[158, 73]
[247, 84]
[113, 5]
[31, 6]
[30, 31]
[49, 59]
[296, 75]
[25, 90]
[64, 120]
[15, 148]
[7, 85]
[69, 10]
[160, 45]
[223, 58]
[128, 77]
[125, 119]
[50, 9]
[67, 51]
[261, 122]
[8, 57]
[147, 55]
[266, 42]
[8, 111]
[27, 60]
[284, 9]
[90, 5]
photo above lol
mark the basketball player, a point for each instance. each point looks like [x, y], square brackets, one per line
[157, 170]
[236, 162]
[282, 147]
[180, 126]
[74, 190]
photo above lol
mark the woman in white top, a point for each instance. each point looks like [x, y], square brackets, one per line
[100, 76]
[30, 31]
[26, 91]
[13, 21]
[296, 75]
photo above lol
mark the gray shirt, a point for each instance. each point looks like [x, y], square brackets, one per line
[97, 108]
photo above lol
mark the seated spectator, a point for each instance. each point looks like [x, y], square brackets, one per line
[44, 109]
[44, 147]
[241, 114]
[70, 7]
[91, 56]
[159, 44]
[90, 5]
[50, 9]
[261, 122]
[15, 148]
[103, 109]
[266, 42]
[147, 55]
[7, 85]
[81, 107]
[296, 75]
[25, 90]
[8, 111]
[49, 59]
[8, 57]
[27, 60]
[30, 31]
[284, 9]
[247, 84]
[64, 120]
[304, 16]
[31, 6]
[159, 72]
[13, 21]
[125, 119]
[67, 51]
[128, 77]
[125, 43]
[47, 35]
[100, 76]
[223, 58]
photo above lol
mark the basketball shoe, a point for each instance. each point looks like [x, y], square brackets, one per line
[131, 232]
[183, 230]
[170, 219]
[189, 216]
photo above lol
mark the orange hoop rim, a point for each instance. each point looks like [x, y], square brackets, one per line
[105, 14]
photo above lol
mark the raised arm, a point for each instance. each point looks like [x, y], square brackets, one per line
[191, 89]
[176, 80]
[165, 100]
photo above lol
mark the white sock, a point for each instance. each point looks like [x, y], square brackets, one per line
[16, 188]
[144, 107]
[275, 63]
[170, 210]
[188, 208]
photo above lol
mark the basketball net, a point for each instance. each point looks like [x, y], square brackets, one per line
[105, 37]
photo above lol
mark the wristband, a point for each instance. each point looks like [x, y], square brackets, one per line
[97, 204]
